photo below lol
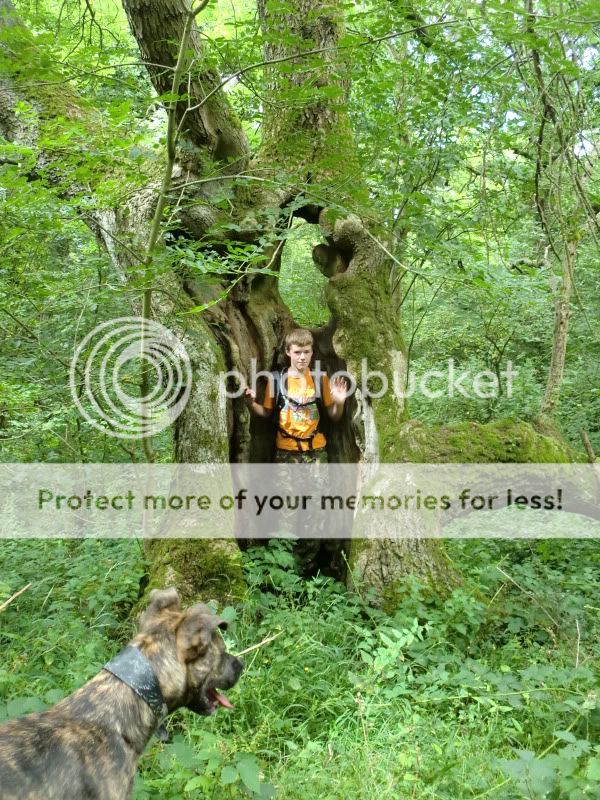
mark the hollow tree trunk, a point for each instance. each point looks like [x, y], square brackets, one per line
[315, 145]
[308, 145]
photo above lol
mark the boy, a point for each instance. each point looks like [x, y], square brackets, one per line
[299, 439]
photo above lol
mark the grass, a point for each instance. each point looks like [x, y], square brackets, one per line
[492, 692]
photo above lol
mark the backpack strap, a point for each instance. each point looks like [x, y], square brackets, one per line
[281, 395]
[318, 391]
[276, 390]
[298, 439]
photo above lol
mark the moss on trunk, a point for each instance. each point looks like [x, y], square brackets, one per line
[201, 569]
[380, 567]
[502, 441]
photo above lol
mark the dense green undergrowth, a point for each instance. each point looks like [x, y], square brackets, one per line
[490, 693]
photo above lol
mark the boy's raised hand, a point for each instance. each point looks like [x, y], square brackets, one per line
[249, 395]
[339, 389]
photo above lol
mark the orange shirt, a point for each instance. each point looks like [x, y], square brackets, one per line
[301, 421]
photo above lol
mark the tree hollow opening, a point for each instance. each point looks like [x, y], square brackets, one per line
[301, 285]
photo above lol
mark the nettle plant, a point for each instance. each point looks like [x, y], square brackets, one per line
[199, 765]
[384, 653]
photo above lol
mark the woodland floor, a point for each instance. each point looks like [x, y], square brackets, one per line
[492, 693]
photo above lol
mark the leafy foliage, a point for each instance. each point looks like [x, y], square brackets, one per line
[485, 692]
[446, 118]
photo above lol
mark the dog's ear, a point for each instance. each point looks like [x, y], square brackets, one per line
[159, 600]
[195, 632]
[164, 598]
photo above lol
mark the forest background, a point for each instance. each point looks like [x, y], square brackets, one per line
[464, 137]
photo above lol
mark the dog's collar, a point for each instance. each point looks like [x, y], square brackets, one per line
[133, 668]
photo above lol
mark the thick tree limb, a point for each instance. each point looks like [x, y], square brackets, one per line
[159, 28]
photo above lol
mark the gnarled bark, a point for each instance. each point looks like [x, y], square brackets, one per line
[212, 126]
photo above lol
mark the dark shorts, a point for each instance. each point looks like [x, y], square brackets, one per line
[313, 554]
[304, 457]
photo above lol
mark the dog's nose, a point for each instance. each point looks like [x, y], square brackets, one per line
[238, 666]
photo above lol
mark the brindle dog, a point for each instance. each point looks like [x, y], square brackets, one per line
[87, 746]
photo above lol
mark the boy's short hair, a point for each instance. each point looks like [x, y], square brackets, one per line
[299, 337]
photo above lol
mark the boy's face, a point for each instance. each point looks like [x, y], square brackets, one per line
[299, 356]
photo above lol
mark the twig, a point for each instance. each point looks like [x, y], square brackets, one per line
[260, 644]
[590, 454]
[496, 594]
[394, 259]
[531, 595]
[156, 226]
[492, 696]
[214, 301]
[14, 597]
[578, 643]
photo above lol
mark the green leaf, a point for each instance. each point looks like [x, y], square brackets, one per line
[228, 614]
[185, 754]
[593, 769]
[24, 705]
[565, 736]
[229, 775]
[171, 97]
[199, 782]
[206, 754]
[248, 770]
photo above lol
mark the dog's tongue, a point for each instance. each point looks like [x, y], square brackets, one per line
[221, 699]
